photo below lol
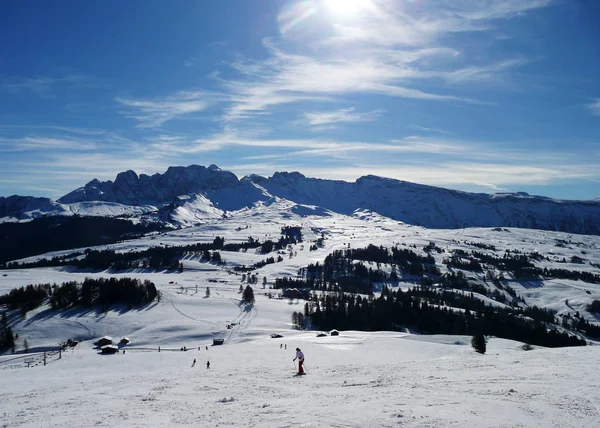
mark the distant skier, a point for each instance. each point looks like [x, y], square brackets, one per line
[300, 358]
[286, 346]
[281, 346]
[194, 363]
[208, 364]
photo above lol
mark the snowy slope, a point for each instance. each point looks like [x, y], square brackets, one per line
[355, 380]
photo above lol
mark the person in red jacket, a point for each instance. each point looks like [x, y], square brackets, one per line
[300, 358]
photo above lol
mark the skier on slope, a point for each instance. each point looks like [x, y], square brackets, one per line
[300, 358]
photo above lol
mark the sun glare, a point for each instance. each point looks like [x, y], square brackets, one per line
[347, 8]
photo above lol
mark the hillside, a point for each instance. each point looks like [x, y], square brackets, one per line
[357, 379]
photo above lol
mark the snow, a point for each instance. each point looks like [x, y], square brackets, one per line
[356, 379]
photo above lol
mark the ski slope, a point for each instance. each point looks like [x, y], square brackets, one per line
[359, 379]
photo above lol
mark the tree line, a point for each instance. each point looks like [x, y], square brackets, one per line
[159, 257]
[428, 311]
[100, 291]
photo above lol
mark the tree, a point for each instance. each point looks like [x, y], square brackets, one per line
[248, 295]
[207, 292]
[26, 346]
[478, 343]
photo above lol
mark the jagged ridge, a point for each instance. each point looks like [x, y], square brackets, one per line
[411, 203]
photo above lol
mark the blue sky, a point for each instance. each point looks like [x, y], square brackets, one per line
[476, 95]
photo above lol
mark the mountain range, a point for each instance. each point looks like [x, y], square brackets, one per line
[184, 196]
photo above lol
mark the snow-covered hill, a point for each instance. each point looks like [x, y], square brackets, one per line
[357, 379]
[134, 196]
[15, 208]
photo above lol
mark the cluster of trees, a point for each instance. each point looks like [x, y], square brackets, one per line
[292, 232]
[161, 258]
[91, 292]
[428, 311]
[7, 339]
[290, 235]
[158, 258]
[577, 322]
[344, 270]
[20, 240]
[103, 291]
[520, 265]
[298, 320]
[26, 298]
[258, 265]
[594, 306]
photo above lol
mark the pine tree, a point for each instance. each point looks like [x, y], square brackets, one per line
[207, 292]
[248, 295]
[478, 343]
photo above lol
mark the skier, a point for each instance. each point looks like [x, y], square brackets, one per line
[300, 358]
[194, 363]
[281, 346]
[208, 364]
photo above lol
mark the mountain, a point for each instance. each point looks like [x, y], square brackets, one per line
[131, 189]
[435, 207]
[187, 195]
[29, 207]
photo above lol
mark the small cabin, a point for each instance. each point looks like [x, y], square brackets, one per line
[334, 333]
[218, 341]
[124, 341]
[110, 349]
[106, 340]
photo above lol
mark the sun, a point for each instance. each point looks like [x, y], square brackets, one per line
[347, 8]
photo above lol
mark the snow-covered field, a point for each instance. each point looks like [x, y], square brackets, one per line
[358, 379]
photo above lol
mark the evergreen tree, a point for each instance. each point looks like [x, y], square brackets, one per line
[248, 295]
[207, 292]
[478, 343]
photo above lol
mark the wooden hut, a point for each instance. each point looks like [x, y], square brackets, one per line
[110, 349]
[106, 340]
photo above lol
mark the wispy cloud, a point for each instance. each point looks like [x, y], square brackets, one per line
[31, 143]
[595, 107]
[151, 113]
[287, 78]
[46, 87]
[429, 129]
[347, 115]
[402, 23]
[392, 49]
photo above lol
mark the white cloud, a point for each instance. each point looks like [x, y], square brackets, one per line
[429, 129]
[347, 115]
[595, 107]
[151, 113]
[41, 143]
[391, 49]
